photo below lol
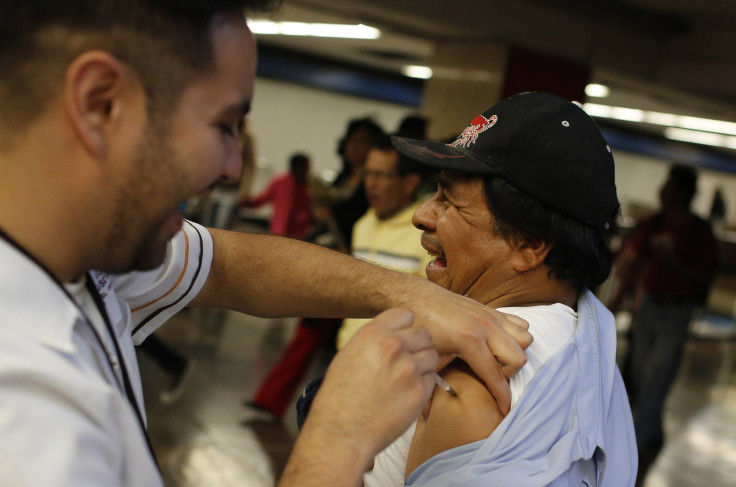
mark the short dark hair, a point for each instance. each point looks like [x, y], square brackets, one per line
[685, 180]
[414, 126]
[404, 165]
[356, 124]
[298, 161]
[165, 42]
[578, 255]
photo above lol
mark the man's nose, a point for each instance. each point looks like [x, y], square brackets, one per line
[424, 217]
[233, 167]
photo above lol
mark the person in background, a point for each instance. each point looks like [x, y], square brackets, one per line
[413, 126]
[218, 209]
[384, 236]
[349, 202]
[668, 263]
[288, 193]
[717, 214]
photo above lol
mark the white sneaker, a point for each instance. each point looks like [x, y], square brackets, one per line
[256, 414]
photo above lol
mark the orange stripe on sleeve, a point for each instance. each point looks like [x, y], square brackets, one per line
[178, 281]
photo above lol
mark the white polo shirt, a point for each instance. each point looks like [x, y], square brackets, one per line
[64, 418]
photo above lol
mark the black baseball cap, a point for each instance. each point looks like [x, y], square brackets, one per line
[539, 143]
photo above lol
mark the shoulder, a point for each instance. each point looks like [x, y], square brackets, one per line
[448, 422]
[552, 326]
[282, 177]
[451, 421]
[369, 218]
[364, 226]
[637, 239]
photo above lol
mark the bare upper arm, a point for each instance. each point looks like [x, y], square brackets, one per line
[208, 295]
[449, 421]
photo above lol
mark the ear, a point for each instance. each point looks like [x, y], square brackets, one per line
[95, 83]
[531, 254]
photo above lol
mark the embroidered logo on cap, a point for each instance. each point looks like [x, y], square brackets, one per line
[479, 125]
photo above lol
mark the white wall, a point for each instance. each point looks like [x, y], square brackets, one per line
[288, 118]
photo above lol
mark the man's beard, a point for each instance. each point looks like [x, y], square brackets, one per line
[144, 203]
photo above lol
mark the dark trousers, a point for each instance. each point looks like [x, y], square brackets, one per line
[660, 330]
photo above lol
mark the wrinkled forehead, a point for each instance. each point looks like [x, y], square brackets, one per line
[456, 180]
[463, 189]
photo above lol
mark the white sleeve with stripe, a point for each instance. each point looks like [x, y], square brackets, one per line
[155, 296]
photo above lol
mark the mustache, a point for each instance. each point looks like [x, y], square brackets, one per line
[432, 244]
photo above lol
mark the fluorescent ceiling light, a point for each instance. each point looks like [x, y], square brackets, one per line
[597, 91]
[698, 137]
[264, 27]
[696, 130]
[706, 125]
[421, 72]
[345, 31]
[595, 110]
[659, 118]
[628, 114]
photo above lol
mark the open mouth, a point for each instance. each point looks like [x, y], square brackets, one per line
[439, 262]
[433, 248]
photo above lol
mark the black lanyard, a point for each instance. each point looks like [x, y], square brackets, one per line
[93, 291]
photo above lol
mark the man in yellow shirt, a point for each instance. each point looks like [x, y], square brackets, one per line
[385, 235]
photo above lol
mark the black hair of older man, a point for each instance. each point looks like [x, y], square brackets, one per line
[579, 254]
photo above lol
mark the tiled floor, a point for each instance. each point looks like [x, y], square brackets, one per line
[200, 441]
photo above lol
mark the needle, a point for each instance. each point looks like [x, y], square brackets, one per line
[442, 383]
